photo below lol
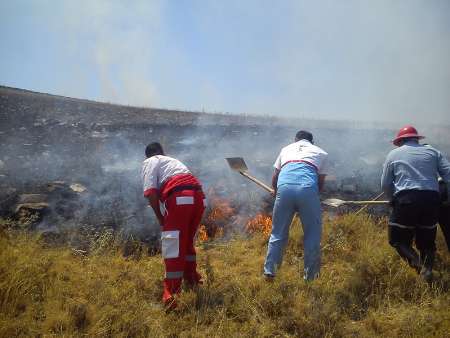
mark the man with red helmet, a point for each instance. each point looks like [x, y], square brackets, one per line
[410, 179]
[177, 199]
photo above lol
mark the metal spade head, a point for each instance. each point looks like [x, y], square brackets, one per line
[334, 202]
[237, 163]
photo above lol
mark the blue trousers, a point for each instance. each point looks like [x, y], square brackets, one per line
[304, 200]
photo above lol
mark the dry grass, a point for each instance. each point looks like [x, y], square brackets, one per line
[364, 290]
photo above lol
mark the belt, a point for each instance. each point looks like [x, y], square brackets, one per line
[184, 187]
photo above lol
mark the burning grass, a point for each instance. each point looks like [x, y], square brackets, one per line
[217, 219]
[261, 223]
[222, 219]
[364, 289]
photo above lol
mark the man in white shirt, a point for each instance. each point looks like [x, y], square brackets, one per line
[298, 177]
[177, 199]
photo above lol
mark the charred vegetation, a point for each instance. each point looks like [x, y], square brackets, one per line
[50, 144]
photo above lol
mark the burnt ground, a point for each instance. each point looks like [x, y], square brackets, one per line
[46, 138]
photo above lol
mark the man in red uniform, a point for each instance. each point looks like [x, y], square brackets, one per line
[177, 199]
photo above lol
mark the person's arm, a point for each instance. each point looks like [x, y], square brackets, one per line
[387, 179]
[323, 172]
[321, 181]
[444, 171]
[444, 168]
[276, 172]
[153, 201]
[150, 181]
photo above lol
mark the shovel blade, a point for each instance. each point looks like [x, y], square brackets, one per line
[334, 202]
[237, 163]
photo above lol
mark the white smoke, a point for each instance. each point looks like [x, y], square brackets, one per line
[348, 60]
[117, 38]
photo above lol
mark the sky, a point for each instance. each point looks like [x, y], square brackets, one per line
[368, 60]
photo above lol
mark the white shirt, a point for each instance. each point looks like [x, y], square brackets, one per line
[303, 151]
[157, 169]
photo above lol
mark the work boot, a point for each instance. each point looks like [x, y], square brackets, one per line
[410, 255]
[170, 304]
[427, 260]
[171, 288]
[269, 278]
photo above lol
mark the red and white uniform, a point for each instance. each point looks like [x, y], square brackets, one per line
[182, 201]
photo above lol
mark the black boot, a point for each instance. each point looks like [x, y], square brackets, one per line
[410, 255]
[427, 260]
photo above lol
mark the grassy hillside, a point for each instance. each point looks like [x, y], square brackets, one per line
[364, 290]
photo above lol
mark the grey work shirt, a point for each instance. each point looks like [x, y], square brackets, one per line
[413, 167]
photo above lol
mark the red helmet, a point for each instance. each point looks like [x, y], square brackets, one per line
[406, 132]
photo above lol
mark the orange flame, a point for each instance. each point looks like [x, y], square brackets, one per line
[260, 223]
[217, 217]
[202, 234]
[221, 211]
[220, 216]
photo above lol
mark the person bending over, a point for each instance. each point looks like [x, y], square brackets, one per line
[177, 199]
[297, 179]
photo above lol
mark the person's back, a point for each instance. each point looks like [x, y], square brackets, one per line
[164, 173]
[412, 167]
[299, 164]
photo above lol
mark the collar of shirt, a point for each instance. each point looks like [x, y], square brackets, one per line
[412, 143]
[303, 141]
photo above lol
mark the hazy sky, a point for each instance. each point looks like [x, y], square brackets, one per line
[336, 59]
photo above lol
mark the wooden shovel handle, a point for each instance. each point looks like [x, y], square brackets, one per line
[258, 182]
[366, 202]
[364, 207]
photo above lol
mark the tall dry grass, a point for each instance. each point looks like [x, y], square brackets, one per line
[364, 290]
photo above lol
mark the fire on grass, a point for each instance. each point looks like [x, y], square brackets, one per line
[260, 223]
[221, 218]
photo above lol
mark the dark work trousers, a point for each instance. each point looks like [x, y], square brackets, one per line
[414, 216]
[444, 222]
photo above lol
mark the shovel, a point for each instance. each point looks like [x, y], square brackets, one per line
[335, 202]
[238, 164]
